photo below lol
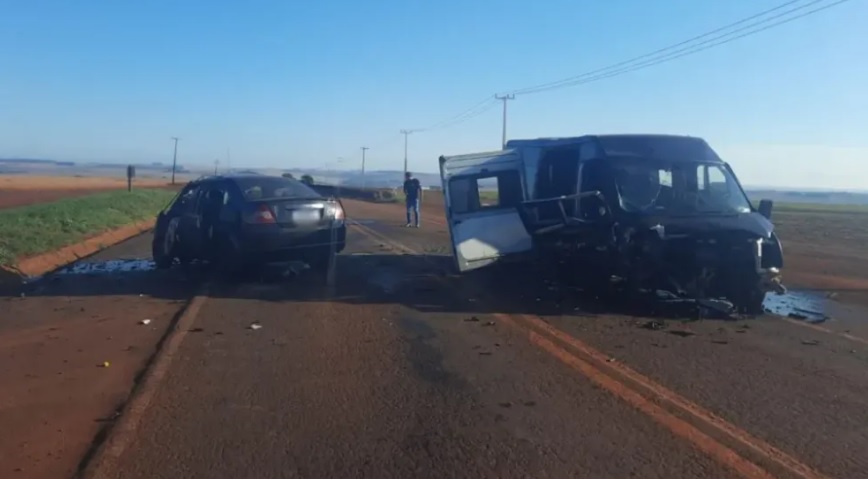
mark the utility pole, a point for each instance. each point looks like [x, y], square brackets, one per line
[175, 159]
[216, 164]
[406, 133]
[504, 99]
[228, 161]
[364, 149]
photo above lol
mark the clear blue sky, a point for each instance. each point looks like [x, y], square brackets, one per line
[298, 84]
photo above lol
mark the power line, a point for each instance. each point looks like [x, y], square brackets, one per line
[471, 112]
[521, 91]
[655, 58]
[652, 58]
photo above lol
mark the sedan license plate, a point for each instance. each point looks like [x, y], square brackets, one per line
[305, 216]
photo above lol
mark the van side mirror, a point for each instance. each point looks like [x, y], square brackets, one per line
[765, 208]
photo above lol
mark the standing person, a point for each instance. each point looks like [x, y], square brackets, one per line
[413, 195]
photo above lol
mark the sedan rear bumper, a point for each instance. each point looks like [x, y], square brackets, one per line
[285, 244]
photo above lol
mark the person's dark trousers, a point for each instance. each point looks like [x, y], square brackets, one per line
[413, 209]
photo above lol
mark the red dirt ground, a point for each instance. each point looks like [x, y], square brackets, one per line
[56, 393]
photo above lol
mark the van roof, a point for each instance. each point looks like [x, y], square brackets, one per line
[671, 147]
[568, 140]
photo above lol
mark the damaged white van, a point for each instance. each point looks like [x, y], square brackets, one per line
[645, 212]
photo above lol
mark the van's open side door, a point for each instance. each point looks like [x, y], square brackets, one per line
[481, 192]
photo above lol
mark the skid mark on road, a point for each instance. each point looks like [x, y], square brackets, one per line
[532, 327]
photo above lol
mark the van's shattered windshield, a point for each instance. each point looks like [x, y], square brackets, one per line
[682, 188]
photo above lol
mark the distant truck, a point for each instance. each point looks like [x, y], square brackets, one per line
[643, 213]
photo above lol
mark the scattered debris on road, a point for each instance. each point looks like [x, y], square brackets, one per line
[683, 333]
[145, 322]
[489, 323]
[654, 325]
[105, 364]
[810, 342]
[472, 319]
[196, 330]
[485, 353]
[255, 326]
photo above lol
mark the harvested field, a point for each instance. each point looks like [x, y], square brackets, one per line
[22, 190]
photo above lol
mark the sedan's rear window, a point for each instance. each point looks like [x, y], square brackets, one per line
[271, 187]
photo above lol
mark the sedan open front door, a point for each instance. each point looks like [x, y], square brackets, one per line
[481, 192]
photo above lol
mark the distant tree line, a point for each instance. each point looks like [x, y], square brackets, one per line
[306, 179]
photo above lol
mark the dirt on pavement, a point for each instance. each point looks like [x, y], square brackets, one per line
[71, 348]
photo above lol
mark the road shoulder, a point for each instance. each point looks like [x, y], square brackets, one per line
[72, 349]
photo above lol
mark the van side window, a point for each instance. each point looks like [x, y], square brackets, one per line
[558, 175]
[593, 179]
[485, 191]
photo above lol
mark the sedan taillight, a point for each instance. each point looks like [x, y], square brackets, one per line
[263, 215]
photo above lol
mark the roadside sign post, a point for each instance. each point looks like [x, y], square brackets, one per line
[131, 173]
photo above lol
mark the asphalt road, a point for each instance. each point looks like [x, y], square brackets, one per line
[401, 369]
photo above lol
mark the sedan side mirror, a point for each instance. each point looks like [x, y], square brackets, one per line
[765, 208]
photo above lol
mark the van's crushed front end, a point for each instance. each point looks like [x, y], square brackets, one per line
[660, 221]
[736, 258]
[703, 259]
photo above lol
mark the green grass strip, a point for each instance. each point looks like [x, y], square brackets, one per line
[34, 229]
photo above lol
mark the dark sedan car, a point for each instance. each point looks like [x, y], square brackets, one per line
[246, 220]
